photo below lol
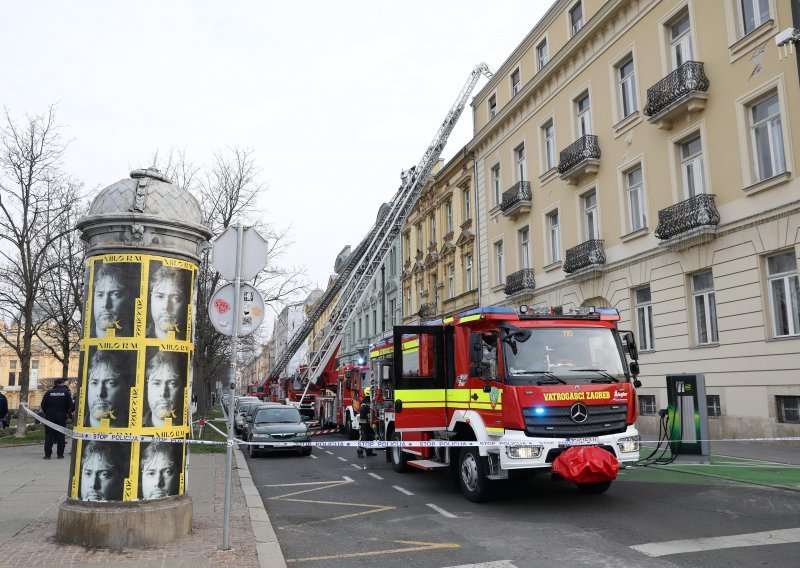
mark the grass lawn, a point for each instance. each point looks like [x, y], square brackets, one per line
[211, 434]
[35, 437]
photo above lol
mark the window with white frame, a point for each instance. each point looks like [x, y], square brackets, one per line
[12, 373]
[500, 268]
[583, 115]
[419, 238]
[392, 310]
[644, 318]
[692, 167]
[554, 236]
[524, 236]
[784, 294]
[754, 13]
[634, 190]
[492, 106]
[519, 153]
[468, 271]
[375, 322]
[449, 213]
[541, 54]
[680, 41]
[626, 78]
[767, 138]
[360, 331]
[591, 216]
[467, 205]
[788, 409]
[366, 325]
[515, 82]
[647, 405]
[407, 246]
[392, 261]
[451, 281]
[498, 194]
[408, 299]
[576, 18]
[705, 308]
[549, 145]
[433, 229]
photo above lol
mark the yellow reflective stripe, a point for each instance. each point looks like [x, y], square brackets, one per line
[496, 430]
[418, 395]
[381, 352]
[458, 395]
[486, 406]
[448, 320]
[424, 404]
[471, 318]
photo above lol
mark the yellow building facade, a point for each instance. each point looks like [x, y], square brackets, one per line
[44, 369]
[624, 159]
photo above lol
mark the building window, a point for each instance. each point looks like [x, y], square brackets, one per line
[644, 319]
[392, 309]
[451, 282]
[467, 206]
[449, 213]
[705, 308]
[767, 138]
[591, 221]
[583, 115]
[408, 299]
[680, 41]
[554, 236]
[634, 189]
[498, 195]
[500, 275]
[419, 238]
[360, 334]
[541, 54]
[713, 406]
[468, 271]
[375, 322]
[576, 18]
[692, 167]
[433, 229]
[784, 294]
[549, 145]
[754, 13]
[519, 153]
[788, 409]
[515, 82]
[524, 248]
[627, 87]
[12, 374]
[407, 246]
[647, 405]
[366, 325]
[492, 106]
[435, 288]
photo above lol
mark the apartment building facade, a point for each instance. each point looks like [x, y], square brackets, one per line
[44, 369]
[440, 266]
[624, 159]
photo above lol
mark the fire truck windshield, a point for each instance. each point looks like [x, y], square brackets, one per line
[573, 355]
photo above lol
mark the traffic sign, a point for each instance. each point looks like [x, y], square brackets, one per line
[254, 253]
[251, 309]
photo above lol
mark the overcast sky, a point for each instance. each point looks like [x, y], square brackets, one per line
[334, 97]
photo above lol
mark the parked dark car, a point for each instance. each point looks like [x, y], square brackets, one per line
[278, 424]
[251, 412]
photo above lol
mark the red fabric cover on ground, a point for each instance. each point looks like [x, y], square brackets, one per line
[586, 464]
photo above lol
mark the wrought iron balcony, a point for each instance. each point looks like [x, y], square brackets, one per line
[582, 157]
[520, 281]
[585, 255]
[427, 310]
[682, 91]
[517, 200]
[693, 214]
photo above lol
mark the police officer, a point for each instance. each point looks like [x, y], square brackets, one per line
[365, 431]
[56, 406]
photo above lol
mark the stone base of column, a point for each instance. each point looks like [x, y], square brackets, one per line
[124, 524]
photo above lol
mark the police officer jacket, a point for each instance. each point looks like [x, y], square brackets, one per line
[56, 404]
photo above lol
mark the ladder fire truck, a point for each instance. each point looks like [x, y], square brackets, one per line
[362, 265]
[535, 382]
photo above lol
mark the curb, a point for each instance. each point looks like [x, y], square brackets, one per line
[268, 549]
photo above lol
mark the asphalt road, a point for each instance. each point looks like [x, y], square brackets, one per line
[336, 510]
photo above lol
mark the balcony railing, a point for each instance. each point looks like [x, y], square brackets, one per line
[665, 96]
[694, 213]
[517, 199]
[586, 254]
[520, 281]
[427, 310]
[584, 150]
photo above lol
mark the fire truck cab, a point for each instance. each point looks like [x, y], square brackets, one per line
[532, 383]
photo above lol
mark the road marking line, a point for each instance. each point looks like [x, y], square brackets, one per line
[441, 511]
[401, 490]
[493, 564]
[341, 458]
[328, 452]
[347, 479]
[419, 546]
[783, 536]
[376, 476]
[355, 465]
[314, 457]
[305, 483]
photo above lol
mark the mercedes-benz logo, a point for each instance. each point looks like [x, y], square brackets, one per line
[578, 412]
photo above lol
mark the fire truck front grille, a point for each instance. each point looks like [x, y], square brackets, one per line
[555, 421]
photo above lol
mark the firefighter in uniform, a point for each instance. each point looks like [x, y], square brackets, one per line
[365, 432]
[56, 406]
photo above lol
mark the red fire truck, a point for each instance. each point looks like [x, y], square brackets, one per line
[530, 384]
[338, 406]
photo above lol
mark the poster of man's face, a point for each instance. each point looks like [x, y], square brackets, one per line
[115, 287]
[104, 466]
[160, 467]
[110, 377]
[168, 297]
[165, 387]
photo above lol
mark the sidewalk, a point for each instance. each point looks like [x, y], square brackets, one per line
[32, 489]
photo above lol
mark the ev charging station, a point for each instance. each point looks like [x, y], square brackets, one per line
[688, 418]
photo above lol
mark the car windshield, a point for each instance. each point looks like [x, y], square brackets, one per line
[566, 355]
[278, 415]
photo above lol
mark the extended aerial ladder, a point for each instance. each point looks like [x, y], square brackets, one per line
[363, 263]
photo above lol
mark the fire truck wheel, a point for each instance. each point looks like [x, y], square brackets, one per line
[600, 487]
[349, 431]
[472, 475]
[399, 458]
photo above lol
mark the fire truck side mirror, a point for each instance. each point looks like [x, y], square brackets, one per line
[398, 406]
[476, 349]
[630, 343]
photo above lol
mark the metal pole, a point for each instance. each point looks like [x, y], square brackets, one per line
[237, 283]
